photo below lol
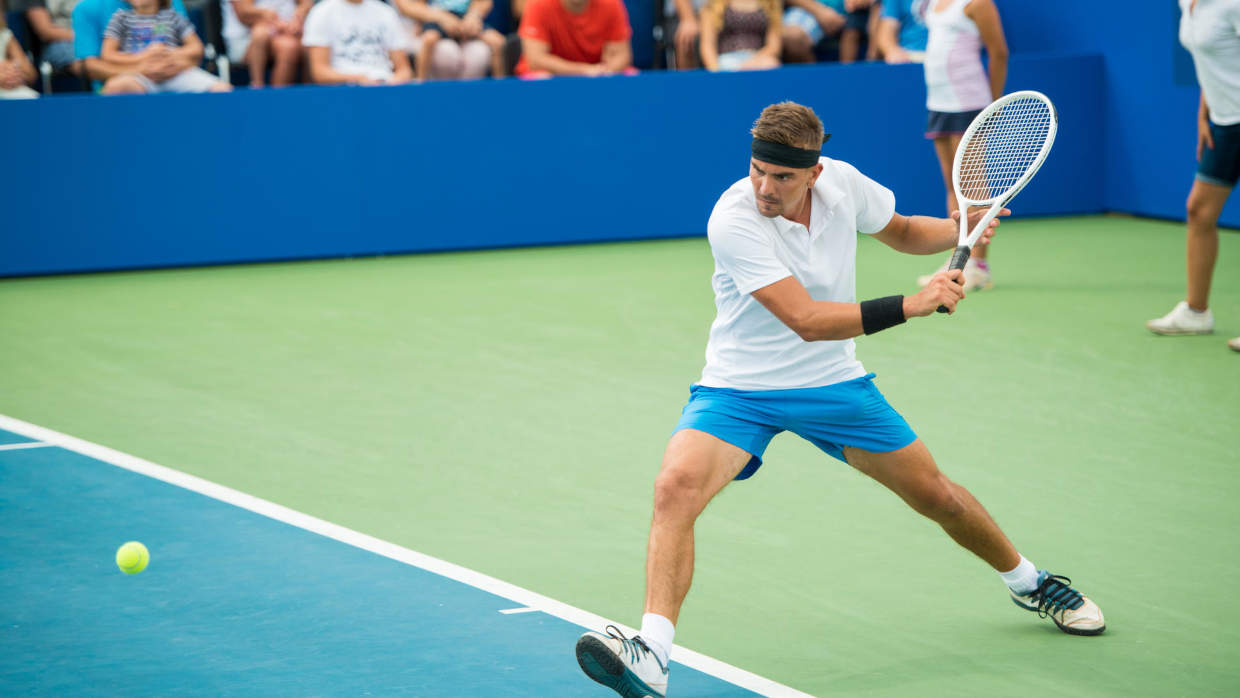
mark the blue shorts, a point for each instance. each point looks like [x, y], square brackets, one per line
[853, 413]
[1221, 164]
[944, 123]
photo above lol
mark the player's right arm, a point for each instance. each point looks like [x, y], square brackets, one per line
[815, 321]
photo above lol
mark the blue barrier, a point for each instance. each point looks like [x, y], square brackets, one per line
[126, 182]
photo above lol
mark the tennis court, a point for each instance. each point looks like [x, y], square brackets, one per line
[333, 429]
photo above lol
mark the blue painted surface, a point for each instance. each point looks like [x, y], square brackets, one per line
[8, 437]
[234, 603]
[203, 179]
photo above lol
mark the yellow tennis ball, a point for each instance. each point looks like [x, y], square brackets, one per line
[132, 557]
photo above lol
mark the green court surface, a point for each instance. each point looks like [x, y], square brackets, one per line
[507, 411]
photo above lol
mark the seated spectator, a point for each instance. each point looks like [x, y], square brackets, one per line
[809, 23]
[91, 17]
[258, 32]
[356, 42]
[52, 22]
[455, 43]
[152, 28]
[740, 35]
[575, 37]
[901, 35]
[682, 22]
[16, 72]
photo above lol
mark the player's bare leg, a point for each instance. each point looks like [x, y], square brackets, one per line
[696, 466]
[912, 474]
[1205, 204]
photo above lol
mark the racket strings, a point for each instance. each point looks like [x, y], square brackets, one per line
[1003, 148]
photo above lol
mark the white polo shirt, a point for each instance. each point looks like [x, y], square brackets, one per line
[1211, 33]
[749, 348]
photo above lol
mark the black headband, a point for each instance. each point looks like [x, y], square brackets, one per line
[785, 155]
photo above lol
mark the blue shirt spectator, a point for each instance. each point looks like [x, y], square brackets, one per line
[902, 32]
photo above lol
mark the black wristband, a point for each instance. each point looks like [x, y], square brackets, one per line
[880, 313]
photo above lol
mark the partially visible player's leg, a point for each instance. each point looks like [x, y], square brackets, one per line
[696, 466]
[912, 474]
[1205, 205]
[1192, 315]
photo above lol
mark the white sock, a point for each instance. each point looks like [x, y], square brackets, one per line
[658, 632]
[1023, 579]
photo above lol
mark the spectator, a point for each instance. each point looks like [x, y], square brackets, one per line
[455, 43]
[740, 34]
[808, 23]
[682, 22]
[261, 31]
[153, 28]
[16, 72]
[957, 88]
[91, 17]
[358, 42]
[52, 22]
[901, 35]
[1211, 33]
[575, 37]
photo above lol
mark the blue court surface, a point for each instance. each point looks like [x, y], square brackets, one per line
[236, 602]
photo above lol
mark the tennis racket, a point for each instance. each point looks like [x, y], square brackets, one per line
[997, 156]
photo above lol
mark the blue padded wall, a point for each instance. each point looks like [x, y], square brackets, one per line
[124, 182]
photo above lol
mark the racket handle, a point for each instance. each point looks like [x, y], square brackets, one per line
[959, 258]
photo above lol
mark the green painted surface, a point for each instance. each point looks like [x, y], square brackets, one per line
[507, 411]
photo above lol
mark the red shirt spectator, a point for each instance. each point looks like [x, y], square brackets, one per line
[575, 37]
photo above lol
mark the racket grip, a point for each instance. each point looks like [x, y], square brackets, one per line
[959, 258]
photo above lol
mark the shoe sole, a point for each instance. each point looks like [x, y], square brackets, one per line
[601, 665]
[1178, 333]
[1070, 630]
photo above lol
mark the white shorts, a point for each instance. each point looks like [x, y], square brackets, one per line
[190, 80]
[237, 46]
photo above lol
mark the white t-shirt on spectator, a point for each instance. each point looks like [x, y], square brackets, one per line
[359, 34]
[749, 348]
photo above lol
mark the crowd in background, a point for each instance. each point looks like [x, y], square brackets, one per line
[145, 46]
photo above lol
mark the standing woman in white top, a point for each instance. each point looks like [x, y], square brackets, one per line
[1210, 30]
[958, 87]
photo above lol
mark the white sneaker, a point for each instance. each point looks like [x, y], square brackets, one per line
[628, 667]
[1234, 344]
[1055, 598]
[1183, 320]
[976, 275]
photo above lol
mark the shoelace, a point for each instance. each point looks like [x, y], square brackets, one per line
[1055, 594]
[635, 647]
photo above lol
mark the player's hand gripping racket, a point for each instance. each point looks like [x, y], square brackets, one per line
[998, 155]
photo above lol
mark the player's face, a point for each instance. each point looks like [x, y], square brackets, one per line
[779, 190]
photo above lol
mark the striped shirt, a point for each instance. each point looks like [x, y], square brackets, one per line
[135, 32]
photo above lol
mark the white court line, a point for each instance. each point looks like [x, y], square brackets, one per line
[516, 594]
[18, 447]
[510, 611]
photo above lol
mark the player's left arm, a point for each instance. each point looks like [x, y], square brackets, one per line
[927, 235]
[986, 16]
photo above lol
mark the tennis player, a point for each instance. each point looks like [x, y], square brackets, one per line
[781, 357]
